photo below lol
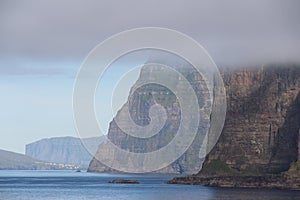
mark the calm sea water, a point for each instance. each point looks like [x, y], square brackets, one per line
[69, 185]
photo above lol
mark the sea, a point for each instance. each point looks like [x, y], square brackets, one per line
[71, 185]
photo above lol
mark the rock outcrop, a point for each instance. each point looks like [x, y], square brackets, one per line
[125, 181]
[140, 100]
[259, 145]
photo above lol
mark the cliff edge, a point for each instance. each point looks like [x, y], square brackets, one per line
[259, 145]
[140, 101]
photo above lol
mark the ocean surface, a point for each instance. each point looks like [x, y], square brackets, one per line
[70, 185]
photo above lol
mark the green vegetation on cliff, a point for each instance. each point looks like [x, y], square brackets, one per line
[260, 142]
[217, 167]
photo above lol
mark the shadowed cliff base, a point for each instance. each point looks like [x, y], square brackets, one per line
[259, 145]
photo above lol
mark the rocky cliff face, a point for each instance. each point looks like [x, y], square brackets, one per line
[139, 102]
[263, 120]
[261, 132]
[64, 150]
[260, 135]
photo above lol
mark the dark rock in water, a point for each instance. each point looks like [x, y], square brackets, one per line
[124, 181]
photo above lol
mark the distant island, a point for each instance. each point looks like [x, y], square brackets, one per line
[52, 154]
[64, 150]
[16, 161]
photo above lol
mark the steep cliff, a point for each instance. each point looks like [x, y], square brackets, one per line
[140, 100]
[64, 150]
[259, 145]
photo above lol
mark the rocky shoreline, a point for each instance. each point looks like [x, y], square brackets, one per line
[260, 143]
[271, 181]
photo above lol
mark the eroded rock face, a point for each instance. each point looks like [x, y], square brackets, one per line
[139, 102]
[259, 145]
[261, 130]
[260, 134]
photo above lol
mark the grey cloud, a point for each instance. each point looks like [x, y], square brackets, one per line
[233, 31]
[30, 71]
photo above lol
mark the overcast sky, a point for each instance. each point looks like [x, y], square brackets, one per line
[42, 44]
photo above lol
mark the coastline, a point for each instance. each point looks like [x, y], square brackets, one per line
[270, 181]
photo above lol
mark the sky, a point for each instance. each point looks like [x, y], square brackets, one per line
[43, 43]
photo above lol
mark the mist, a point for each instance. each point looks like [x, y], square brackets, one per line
[234, 32]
